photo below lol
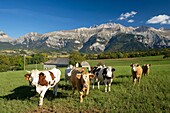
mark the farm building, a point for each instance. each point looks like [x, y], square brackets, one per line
[82, 64]
[85, 64]
[56, 62]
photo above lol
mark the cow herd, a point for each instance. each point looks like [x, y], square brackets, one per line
[79, 78]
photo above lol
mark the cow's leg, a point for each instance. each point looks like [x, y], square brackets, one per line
[81, 96]
[87, 92]
[93, 82]
[109, 86]
[110, 83]
[42, 96]
[139, 80]
[73, 88]
[106, 87]
[105, 82]
[98, 84]
[134, 81]
[55, 89]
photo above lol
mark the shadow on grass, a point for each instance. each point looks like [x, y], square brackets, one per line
[26, 92]
[123, 76]
[66, 86]
[50, 96]
[21, 93]
[102, 83]
[116, 83]
[62, 79]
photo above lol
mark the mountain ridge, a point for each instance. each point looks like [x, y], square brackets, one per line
[97, 38]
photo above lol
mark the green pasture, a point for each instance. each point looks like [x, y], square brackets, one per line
[151, 96]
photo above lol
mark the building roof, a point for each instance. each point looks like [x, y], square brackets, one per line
[85, 64]
[62, 61]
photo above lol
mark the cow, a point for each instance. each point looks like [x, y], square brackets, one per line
[103, 73]
[68, 71]
[43, 80]
[80, 80]
[146, 69]
[136, 70]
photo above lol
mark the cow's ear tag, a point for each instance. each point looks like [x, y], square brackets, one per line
[78, 76]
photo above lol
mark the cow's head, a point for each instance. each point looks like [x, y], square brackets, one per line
[28, 78]
[85, 79]
[109, 71]
[93, 69]
[113, 69]
[134, 66]
[32, 77]
[147, 66]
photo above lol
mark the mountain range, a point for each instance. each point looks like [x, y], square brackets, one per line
[95, 39]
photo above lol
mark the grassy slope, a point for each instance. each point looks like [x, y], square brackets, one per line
[153, 94]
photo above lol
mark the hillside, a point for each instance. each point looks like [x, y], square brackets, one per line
[95, 39]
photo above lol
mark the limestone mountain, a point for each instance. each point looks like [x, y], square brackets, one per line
[95, 39]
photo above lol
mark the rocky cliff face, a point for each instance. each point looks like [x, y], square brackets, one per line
[104, 37]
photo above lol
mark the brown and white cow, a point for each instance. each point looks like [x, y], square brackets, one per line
[146, 69]
[136, 72]
[43, 80]
[80, 80]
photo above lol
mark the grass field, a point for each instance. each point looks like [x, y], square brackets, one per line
[151, 96]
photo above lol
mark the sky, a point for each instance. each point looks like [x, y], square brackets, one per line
[19, 17]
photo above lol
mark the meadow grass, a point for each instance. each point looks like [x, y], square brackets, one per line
[152, 95]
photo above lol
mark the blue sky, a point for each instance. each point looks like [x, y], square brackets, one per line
[19, 17]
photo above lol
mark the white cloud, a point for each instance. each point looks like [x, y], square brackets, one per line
[127, 15]
[131, 21]
[160, 19]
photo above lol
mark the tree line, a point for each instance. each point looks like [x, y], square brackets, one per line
[116, 55]
[76, 56]
[17, 62]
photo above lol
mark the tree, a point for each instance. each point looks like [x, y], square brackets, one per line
[119, 55]
[39, 58]
[166, 55]
[13, 62]
[75, 57]
[4, 61]
[44, 57]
